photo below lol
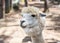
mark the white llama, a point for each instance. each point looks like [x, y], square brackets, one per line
[30, 24]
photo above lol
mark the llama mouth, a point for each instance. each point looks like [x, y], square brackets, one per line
[23, 26]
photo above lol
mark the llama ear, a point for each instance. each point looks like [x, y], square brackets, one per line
[42, 14]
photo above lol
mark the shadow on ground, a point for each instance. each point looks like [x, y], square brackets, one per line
[3, 38]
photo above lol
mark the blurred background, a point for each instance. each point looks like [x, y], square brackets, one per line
[11, 32]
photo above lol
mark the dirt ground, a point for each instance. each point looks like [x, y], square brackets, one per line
[11, 32]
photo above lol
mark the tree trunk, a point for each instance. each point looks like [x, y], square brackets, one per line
[1, 9]
[26, 3]
[45, 5]
[8, 5]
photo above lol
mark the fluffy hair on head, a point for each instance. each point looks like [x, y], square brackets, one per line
[31, 9]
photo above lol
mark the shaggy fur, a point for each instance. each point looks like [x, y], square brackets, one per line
[29, 23]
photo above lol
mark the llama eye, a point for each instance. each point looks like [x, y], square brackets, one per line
[33, 15]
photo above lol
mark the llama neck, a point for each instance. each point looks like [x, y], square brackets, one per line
[37, 39]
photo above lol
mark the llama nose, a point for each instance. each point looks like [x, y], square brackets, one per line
[22, 24]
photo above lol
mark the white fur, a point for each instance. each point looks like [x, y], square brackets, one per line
[31, 23]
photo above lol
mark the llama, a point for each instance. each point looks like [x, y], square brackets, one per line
[29, 23]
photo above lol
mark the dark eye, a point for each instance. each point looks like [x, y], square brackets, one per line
[33, 15]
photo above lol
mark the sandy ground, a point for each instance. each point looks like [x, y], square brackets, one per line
[11, 32]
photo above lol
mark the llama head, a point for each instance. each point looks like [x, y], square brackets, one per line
[29, 18]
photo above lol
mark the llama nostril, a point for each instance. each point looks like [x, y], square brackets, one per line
[22, 24]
